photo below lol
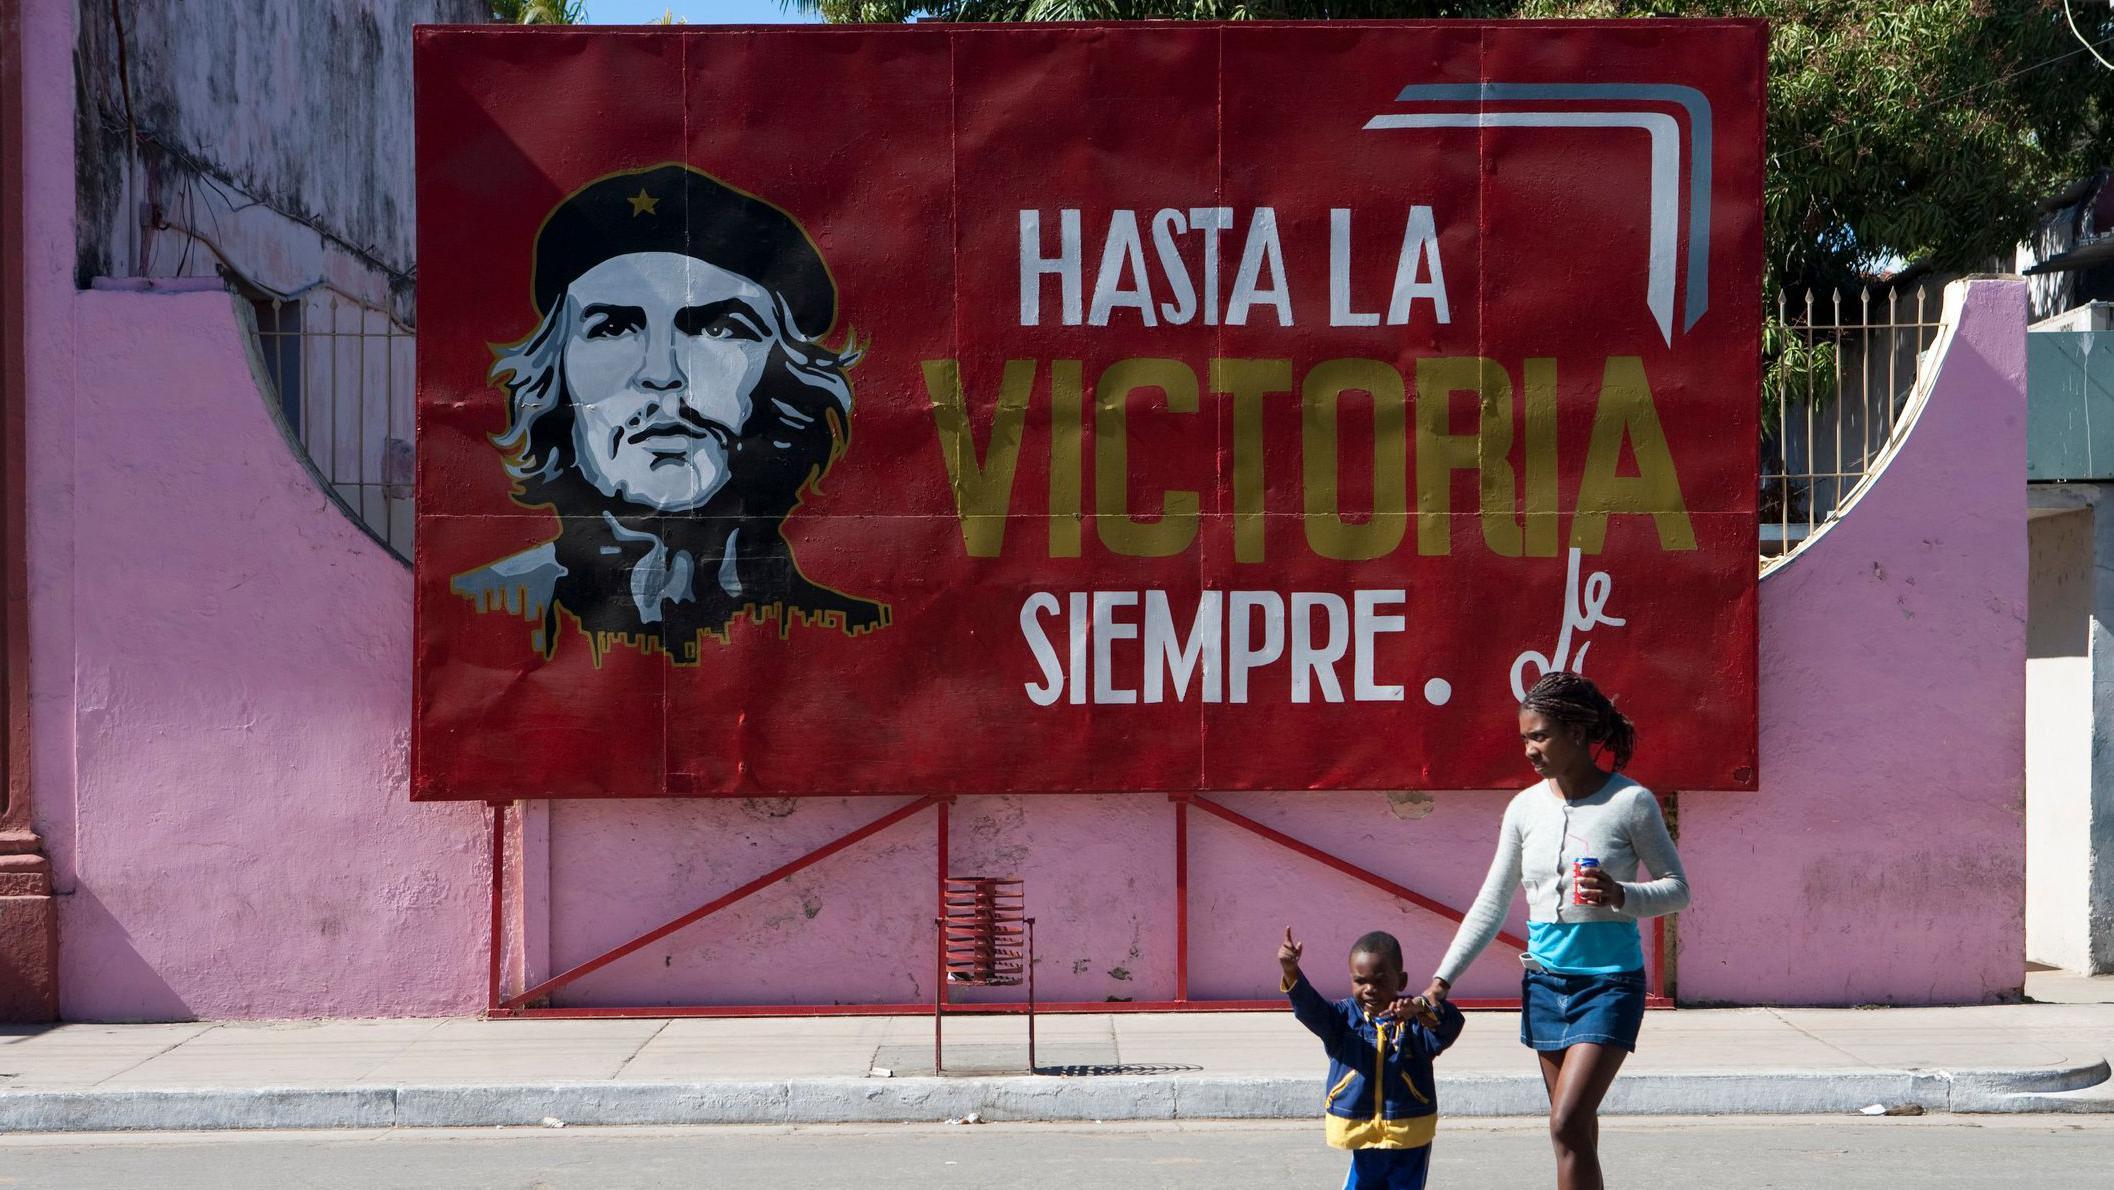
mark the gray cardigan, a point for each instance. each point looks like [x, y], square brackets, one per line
[1543, 833]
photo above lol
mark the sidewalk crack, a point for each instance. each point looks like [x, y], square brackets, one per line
[396, 1053]
[635, 1050]
[1808, 1034]
[156, 1054]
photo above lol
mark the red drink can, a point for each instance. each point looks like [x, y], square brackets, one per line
[1578, 868]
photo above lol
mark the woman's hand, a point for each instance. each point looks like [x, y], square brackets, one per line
[1423, 1007]
[1596, 887]
[1418, 1007]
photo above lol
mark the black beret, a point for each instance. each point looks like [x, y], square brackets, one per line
[673, 208]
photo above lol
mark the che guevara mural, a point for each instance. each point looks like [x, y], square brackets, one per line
[671, 406]
[1080, 408]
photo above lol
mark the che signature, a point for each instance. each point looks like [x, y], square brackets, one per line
[1582, 611]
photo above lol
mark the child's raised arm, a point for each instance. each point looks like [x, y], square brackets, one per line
[1314, 1012]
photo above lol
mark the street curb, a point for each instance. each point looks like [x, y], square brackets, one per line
[2067, 1089]
[2080, 1088]
[202, 1108]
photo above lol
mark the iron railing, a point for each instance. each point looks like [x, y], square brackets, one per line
[1841, 370]
[344, 377]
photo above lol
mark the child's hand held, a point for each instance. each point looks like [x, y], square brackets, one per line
[1408, 1007]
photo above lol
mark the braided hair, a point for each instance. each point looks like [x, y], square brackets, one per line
[1574, 701]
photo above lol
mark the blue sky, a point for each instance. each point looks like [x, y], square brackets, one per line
[697, 12]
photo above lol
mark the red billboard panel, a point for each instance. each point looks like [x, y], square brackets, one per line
[1060, 408]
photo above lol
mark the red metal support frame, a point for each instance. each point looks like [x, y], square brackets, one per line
[939, 933]
[1344, 866]
[939, 987]
[941, 807]
[1031, 997]
[1181, 898]
[498, 903]
[1657, 996]
[519, 1005]
[516, 1003]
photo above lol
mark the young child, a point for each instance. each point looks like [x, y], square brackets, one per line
[1382, 1103]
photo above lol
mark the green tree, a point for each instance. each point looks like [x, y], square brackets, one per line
[539, 12]
[1899, 130]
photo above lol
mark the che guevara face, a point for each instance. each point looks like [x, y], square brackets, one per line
[661, 362]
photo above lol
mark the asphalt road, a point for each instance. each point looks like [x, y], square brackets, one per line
[1746, 1153]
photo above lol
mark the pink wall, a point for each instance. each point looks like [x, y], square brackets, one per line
[221, 690]
[219, 662]
[1100, 878]
[1884, 858]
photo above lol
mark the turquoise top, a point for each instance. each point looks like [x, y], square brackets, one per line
[1585, 947]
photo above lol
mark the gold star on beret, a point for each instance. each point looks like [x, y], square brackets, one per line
[642, 203]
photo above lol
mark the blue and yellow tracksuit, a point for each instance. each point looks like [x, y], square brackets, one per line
[1382, 1102]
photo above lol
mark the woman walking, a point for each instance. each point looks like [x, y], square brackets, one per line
[1582, 996]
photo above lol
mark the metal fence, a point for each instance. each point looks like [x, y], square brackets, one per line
[1837, 375]
[344, 375]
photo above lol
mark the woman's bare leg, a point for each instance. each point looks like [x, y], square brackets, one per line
[1578, 1079]
[1551, 1062]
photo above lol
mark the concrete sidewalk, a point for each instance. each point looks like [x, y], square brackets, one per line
[387, 1073]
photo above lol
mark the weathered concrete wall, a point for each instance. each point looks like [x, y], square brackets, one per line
[221, 684]
[2059, 737]
[280, 131]
[2070, 728]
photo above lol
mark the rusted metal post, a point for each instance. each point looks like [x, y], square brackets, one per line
[1030, 996]
[939, 988]
[491, 1003]
[939, 936]
[939, 871]
[1181, 898]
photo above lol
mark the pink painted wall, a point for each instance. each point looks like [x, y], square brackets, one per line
[219, 661]
[1884, 858]
[221, 691]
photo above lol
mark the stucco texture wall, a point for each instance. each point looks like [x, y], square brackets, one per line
[2059, 816]
[219, 665]
[1883, 859]
[242, 843]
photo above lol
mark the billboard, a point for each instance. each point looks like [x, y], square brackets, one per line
[1081, 407]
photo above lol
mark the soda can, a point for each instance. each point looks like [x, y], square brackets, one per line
[1578, 868]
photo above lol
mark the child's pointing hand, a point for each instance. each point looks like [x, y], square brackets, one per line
[1288, 954]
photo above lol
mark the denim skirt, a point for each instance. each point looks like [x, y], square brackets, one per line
[1559, 1011]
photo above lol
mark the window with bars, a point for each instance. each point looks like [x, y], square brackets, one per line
[343, 378]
